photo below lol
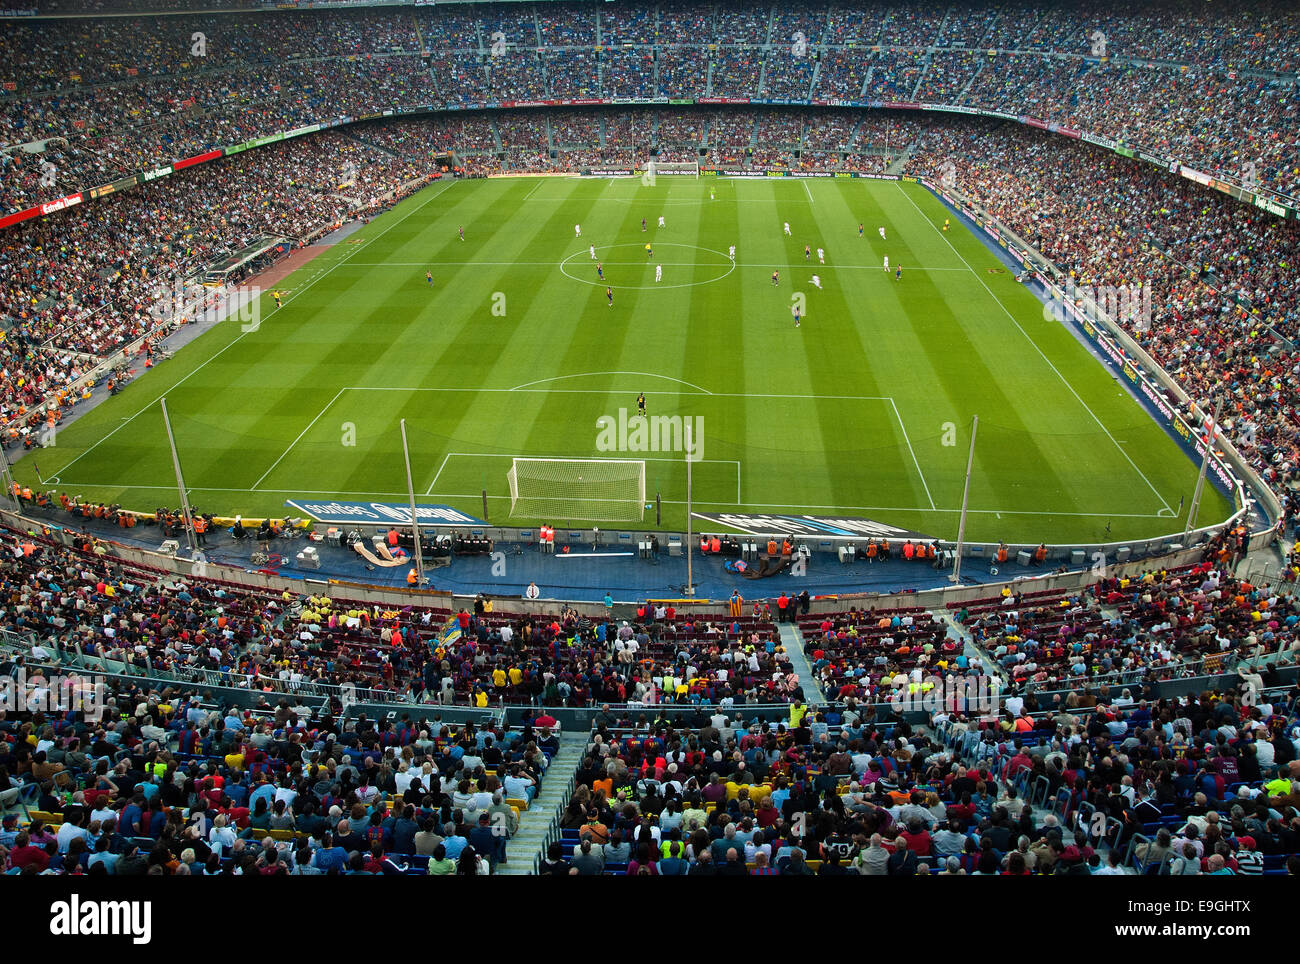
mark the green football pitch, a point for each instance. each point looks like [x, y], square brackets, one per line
[863, 410]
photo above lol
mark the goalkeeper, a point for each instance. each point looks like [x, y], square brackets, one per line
[640, 404]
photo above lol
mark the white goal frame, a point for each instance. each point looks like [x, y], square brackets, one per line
[599, 507]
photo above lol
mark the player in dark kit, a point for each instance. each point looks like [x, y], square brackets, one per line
[640, 404]
[776, 278]
[600, 271]
[609, 293]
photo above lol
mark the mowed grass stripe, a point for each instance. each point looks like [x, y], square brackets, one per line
[1070, 417]
[372, 321]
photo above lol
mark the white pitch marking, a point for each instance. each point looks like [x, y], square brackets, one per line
[1042, 354]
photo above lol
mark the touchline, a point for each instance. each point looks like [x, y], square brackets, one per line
[102, 918]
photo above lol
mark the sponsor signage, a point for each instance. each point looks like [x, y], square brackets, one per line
[196, 159]
[19, 216]
[119, 185]
[1100, 141]
[72, 200]
[157, 172]
[381, 513]
[810, 525]
[1272, 207]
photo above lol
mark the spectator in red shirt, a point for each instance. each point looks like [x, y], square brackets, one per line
[24, 854]
[917, 837]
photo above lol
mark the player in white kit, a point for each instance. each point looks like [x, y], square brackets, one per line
[661, 221]
[659, 272]
[821, 255]
[731, 252]
[592, 249]
[882, 232]
[577, 230]
[787, 229]
[817, 282]
[886, 262]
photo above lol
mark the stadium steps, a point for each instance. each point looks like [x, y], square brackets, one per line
[961, 96]
[792, 640]
[535, 822]
[899, 164]
[937, 39]
[969, 648]
[925, 69]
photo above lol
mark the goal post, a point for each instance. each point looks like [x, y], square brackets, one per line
[652, 167]
[590, 490]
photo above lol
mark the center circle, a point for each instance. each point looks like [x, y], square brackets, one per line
[724, 262]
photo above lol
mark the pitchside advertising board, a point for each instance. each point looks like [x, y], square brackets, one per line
[810, 525]
[381, 513]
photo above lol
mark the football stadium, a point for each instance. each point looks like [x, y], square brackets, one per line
[636, 439]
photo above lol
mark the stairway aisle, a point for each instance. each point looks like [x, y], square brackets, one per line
[535, 822]
[792, 640]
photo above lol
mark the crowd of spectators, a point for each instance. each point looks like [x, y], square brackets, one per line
[86, 283]
[83, 600]
[152, 93]
[848, 790]
[167, 780]
[1131, 630]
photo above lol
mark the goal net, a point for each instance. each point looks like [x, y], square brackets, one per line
[672, 167]
[593, 490]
